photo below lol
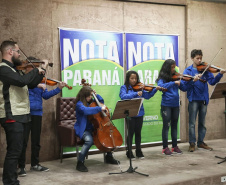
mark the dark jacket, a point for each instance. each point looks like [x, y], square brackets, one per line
[14, 100]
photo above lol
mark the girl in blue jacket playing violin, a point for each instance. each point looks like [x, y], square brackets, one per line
[135, 123]
[170, 105]
[84, 128]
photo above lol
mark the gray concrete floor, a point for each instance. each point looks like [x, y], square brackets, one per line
[199, 167]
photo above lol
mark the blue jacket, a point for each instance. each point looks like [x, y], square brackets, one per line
[170, 98]
[35, 97]
[133, 94]
[81, 115]
[199, 89]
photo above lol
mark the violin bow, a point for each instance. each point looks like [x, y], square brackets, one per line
[181, 75]
[211, 62]
[146, 79]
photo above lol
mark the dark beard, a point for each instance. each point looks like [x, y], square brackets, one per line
[16, 62]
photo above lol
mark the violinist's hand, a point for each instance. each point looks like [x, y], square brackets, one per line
[177, 82]
[139, 93]
[61, 85]
[103, 108]
[222, 71]
[41, 71]
[158, 88]
[42, 86]
[94, 92]
[46, 63]
[197, 77]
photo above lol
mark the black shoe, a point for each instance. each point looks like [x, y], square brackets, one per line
[139, 154]
[130, 155]
[81, 167]
[21, 172]
[40, 168]
[111, 160]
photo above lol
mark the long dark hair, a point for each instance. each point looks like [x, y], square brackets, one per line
[128, 74]
[165, 72]
[84, 92]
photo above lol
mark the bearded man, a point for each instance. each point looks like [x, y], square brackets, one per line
[14, 105]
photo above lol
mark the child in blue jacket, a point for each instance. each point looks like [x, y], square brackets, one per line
[170, 105]
[35, 126]
[135, 123]
[198, 97]
[84, 128]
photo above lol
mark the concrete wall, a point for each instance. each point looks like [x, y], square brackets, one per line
[34, 25]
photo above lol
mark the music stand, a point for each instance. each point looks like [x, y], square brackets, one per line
[126, 109]
[219, 91]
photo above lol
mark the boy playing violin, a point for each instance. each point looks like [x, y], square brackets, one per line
[198, 97]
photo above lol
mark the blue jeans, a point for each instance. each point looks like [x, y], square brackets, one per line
[193, 108]
[170, 118]
[88, 138]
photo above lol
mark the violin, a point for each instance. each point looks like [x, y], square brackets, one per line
[147, 87]
[31, 63]
[53, 82]
[211, 68]
[106, 137]
[178, 76]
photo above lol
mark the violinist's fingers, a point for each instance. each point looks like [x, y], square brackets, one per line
[41, 71]
[42, 86]
[222, 71]
[177, 82]
[197, 77]
[46, 62]
[158, 88]
[94, 91]
[61, 85]
[103, 107]
[139, 93]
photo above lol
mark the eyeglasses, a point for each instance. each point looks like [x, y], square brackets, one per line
[18, 51]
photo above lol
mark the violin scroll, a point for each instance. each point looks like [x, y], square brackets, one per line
[83, 83]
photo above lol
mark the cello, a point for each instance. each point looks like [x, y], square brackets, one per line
[106, 137]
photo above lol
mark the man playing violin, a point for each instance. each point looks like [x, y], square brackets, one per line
[198, 96]
[14, 105]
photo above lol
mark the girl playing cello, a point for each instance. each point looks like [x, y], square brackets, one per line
[136, 123]
[84, 128]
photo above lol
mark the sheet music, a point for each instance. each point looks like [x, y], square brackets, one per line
[132, 105]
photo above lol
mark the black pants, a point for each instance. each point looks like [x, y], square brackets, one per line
[35, 127]
[135, 126]
[14, 139]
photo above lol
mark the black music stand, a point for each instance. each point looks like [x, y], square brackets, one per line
[219, 91]
[127, 109]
